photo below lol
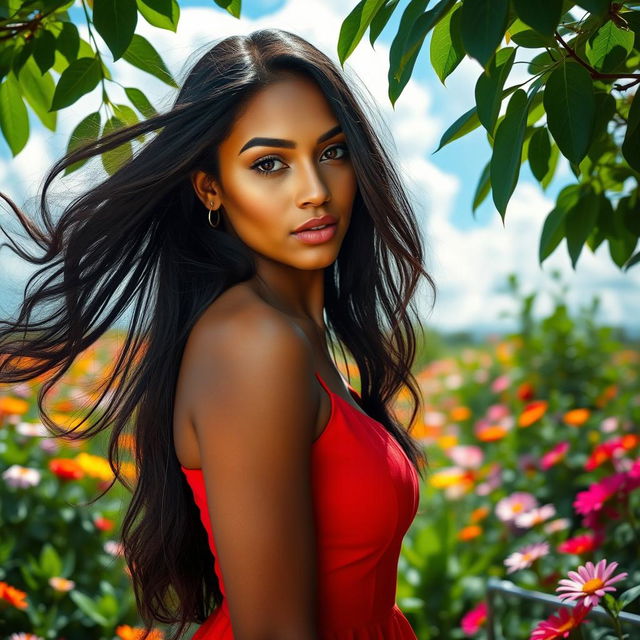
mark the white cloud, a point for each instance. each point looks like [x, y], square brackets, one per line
[469, 266]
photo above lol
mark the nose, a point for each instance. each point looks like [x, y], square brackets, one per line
[312, 188]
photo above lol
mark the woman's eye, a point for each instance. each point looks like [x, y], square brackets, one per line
[259, 166]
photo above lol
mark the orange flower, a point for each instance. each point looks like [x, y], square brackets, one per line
[10, 406]
[469, 533]
[128, 470]
[458, 414]
[127, 441]
[609, 393]
[629, 441]
[532, 413]
[479, 514]
[450, 477]
[125, 632]
[66, 468]
[576, 417]
[13, 596]
[491, 433]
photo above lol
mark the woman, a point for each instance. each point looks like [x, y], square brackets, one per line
[255, 462]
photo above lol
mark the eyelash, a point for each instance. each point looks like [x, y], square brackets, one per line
[261, 172]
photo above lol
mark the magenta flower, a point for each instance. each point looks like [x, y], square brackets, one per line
[589, 583]
[598, 493]
[556, 455]
[474, 620]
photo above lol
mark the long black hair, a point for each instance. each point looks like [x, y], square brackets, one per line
[139, 242]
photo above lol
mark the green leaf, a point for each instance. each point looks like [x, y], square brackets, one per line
[14, 120]
[445, 49]
[354, 26]
[466, 123]
[579, 223]
[632, 261]
[483, 188]
[609, 47]
[380, 20]
[543, 15]
[140, 102]
[79, 78]
[86, 131]
[628, 596]
[164, 14]
[530, 39]
[68, 41]
[488, 91]
[414, 27]
[553, 164]
[599, 7]
[631, 144]
[50, 562]
[88, 607]
[115, 21]
[44, 50]
[570, 105]
[231, 6]
[552, 233]
[539, 153]
[38, 91]
[621, 241]
[482, 26]
[142, 54]
[113, 159]
[507, 151]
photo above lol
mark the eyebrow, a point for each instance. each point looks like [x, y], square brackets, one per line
[287, 144]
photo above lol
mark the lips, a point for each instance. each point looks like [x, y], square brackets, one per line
[316, 222]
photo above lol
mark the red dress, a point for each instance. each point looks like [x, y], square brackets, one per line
[366, 494]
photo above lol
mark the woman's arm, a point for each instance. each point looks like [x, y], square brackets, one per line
[254, 407]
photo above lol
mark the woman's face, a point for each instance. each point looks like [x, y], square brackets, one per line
[284, 162]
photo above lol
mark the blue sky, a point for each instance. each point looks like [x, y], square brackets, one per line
[469, 256]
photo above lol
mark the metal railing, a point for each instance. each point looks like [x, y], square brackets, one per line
[496, 586]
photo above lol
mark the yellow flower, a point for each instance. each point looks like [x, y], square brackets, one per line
[10, 406]
[94, 466]
[447, 441]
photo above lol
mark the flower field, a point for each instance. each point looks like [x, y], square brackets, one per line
[533, 477]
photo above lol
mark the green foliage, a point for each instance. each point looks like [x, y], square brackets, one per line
[574, 365]
[50, 531]
[47, 66]
[579, 52]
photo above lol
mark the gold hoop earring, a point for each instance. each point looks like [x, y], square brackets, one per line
[214, 226]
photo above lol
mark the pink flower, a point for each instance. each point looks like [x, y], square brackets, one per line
[598, 493]
[535, 516]
[589, 583]
[560, 623]
[466, 456]
[526, 556]
[511, 506]
[474, 620]
[559, 524]
[557, 454]
[500, 384]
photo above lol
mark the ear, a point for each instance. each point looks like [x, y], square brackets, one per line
[206, 189]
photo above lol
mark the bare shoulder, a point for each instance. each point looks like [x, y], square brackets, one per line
[243, 353]
[239, 330]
